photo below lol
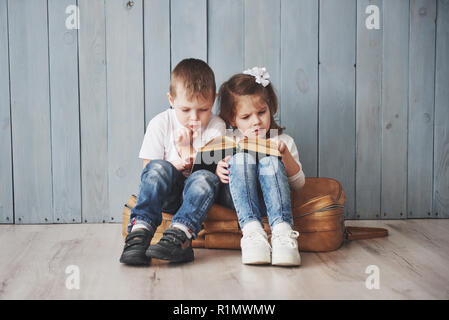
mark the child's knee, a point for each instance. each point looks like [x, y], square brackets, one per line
[204, 181]
[269, 165]
[242, 158]
[157, 169]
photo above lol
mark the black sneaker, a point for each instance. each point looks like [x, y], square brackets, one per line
[136, 243]
[174, 246]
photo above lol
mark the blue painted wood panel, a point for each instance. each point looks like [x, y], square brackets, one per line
[30, 111]
[157, 56]
[394, 109]
[6, 179]
[299, 78]
[225, 39]
[65, 126]
[368, 111]
[421, 107]
[188, 30]
[263, 39]
[441, 150]
[336, 137]
[93, 111]
[125, 101]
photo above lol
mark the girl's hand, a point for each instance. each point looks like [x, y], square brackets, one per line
[282, 147]
[290, 164]
[222, 170]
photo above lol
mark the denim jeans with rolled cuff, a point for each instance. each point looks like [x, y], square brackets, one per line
[164, 189]
[257, 189]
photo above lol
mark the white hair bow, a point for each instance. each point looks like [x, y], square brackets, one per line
[260, 74]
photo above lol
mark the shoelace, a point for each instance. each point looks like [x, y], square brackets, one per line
[171, 235]
[286, 238]
[256, 237]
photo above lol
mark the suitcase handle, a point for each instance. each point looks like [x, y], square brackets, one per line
[358, 233]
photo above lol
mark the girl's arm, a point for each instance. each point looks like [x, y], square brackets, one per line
[290, 164]
[290, 159]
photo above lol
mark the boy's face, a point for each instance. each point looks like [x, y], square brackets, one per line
[191, 113]
[252, 116]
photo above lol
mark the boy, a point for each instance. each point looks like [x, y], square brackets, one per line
[168, 149]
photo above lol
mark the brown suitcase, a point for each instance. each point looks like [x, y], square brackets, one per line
[318, 214]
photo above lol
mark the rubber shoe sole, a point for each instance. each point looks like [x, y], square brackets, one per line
[135, 258]
[253, 257]
[286, 260]
[157, 252]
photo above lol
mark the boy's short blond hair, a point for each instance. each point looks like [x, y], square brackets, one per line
[197, 78]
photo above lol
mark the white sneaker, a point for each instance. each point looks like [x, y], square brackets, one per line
[255, 247]
[285, 248]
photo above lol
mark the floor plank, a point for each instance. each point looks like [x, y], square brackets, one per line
[412, 264]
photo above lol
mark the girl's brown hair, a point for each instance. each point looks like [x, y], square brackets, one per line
[242, 85]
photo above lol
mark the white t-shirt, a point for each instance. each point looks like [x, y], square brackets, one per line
[298, 180]
[158, 142]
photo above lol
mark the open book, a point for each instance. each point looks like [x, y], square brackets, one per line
[220, 147]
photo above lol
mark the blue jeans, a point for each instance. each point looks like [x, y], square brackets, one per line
[258, 189]
[164, 189]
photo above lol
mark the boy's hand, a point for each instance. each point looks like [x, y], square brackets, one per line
[183, 138]
[182, 165]
[184, 146]
[222, 170]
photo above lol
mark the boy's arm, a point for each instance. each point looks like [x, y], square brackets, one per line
[184, 146]
[186, 152]
[187, 158]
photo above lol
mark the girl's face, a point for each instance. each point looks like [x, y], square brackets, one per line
[252, 116]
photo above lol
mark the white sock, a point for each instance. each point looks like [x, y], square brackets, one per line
[281, 227]
[139, 226]
[183, 228]
[252, 226]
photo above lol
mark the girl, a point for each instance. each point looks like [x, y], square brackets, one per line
[248, 103]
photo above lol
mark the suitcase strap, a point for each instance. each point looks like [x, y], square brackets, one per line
[358, 233]
[334, 206]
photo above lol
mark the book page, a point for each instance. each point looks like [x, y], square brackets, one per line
[260, 145]
[219, 143]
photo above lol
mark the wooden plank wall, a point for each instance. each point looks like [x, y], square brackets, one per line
[441, 130]
[93, 111]
[6, 180]
[30, 111]
[394, 115]
[65, 126]
[368, 107]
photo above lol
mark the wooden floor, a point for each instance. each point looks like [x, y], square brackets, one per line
[413, 263]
